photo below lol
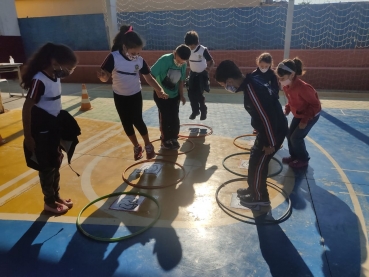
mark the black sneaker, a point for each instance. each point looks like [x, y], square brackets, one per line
[193, 115]
[203, 115]
[168, 144]
[249, 200]
[175, 144]
[243, 191]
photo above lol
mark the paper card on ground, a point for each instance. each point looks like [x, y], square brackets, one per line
[235, 202]
[203, 131]
[193, 130]
[244, 164]
[149, 168]
[127, 203]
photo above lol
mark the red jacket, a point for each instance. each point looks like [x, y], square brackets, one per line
[303, 101]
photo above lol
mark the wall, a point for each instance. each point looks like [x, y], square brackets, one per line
[46, 8]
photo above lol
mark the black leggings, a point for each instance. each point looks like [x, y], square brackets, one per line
[129, 109]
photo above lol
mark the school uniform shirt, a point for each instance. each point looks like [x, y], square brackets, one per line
[303, 100]
[265, 110]
[270, 78]
[125, 73]
[167, 74]
[46, 93]
[199, 58]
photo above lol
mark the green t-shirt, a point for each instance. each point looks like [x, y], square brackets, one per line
[167, 74]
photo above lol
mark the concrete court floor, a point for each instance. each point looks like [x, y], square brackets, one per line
[325, 235]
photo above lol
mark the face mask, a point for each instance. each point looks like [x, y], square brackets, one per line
[61, 73]
[285, 82]
[230, 88]
[263, 70]
[131, 57]
[177, 63]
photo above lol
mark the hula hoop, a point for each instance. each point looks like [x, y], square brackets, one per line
[175, 153]
[79, 227]
[154, 187]
[243, 175]
[207, 134]
[243, 136]
[228, 211]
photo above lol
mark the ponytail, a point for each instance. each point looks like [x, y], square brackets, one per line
[127, 37]
[299, 66]
[42, 60]
[294, 65]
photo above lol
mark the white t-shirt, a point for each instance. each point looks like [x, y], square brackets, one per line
[46, 92]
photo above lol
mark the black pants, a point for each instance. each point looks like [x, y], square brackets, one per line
[49, 180]
[129, 109]
[196, 91]
[168, 117]
[258, 166]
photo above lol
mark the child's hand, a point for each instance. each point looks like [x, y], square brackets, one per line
[286, 112]
[102, 75]
[183, 99]
[30, 143]
[302, 125]
[161, 94]
[269, 150]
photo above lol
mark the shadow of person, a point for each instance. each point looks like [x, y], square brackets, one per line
[341, 231]
[23, 257]
[104, 259]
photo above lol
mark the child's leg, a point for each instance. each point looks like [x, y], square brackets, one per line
[124, 110]
[56, 188]
[192, 94]
[49, 180]
[294, 124]
[164, 116]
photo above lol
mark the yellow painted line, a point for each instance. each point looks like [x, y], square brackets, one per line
[357, 208]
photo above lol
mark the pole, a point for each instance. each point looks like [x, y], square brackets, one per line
[288, 32]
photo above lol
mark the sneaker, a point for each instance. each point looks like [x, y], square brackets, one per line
[175, 144]
[243, 191]
[138, 152]
[150, 153]
[287, 160]
[168, 144]
[193, 115]
[203, 115]
[298, 164]
[249, 200]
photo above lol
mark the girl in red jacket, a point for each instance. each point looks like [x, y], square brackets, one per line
[305, 106]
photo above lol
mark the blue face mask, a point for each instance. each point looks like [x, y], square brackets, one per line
[230, 88]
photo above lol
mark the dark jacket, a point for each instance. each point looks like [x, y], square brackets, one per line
[270, 78]
[51, 134]
[198, 82]
[266, 112]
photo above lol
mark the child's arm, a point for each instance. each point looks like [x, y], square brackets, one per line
[106, 69]
[180, 91]
[153, 83]
[26, 118]
[209, 59]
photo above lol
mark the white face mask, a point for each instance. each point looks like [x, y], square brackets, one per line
[263, 70]
[230, 88]
[131, 57]
[285, 82]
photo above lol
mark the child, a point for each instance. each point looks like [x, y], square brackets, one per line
[264, 63]
[124, 65]
[305, 106]
[267, 118]
[43, 119]
[170, 72]
[198, 81]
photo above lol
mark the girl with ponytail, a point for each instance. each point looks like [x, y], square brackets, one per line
[303, 102]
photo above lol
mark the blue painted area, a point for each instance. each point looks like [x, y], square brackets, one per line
[80, 32]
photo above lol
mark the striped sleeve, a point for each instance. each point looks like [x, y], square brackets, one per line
[262, 114]
[36, 91]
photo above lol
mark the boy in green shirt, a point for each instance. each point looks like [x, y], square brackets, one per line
[170, 72]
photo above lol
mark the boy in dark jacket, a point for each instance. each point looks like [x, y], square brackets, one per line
[267, 118]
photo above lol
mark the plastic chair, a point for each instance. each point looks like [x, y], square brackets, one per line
[5, 80]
